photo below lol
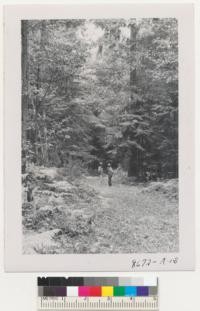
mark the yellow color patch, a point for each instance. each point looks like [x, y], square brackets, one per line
[107, 291]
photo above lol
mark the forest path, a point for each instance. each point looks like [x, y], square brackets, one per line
[133, 220]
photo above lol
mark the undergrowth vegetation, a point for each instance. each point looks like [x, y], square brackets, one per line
[84, 215]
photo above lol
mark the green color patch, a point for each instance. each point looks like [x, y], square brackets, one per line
[119, 291]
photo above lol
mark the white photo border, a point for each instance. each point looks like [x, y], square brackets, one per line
[15, 260]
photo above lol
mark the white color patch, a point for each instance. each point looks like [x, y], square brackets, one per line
[72, 291]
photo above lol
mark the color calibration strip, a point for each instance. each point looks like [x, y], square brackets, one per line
[97, 294]
[97, 291]
[97, 281]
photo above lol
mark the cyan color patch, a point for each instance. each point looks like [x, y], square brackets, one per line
[131, 291]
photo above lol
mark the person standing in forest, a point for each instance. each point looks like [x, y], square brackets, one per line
[110, 174]
[100, 171]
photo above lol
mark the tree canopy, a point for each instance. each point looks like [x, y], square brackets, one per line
[101, 90]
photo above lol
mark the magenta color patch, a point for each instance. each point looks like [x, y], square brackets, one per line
[84, 291]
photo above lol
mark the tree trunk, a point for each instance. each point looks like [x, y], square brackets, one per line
[42, 72]
[40, 128]
[134, 160]
[25, 95]
[133, 69]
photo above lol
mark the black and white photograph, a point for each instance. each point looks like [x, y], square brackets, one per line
[99, 140]
[99, 137]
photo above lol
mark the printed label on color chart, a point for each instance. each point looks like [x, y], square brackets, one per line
[97, 293]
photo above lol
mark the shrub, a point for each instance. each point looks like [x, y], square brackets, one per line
[72, 171]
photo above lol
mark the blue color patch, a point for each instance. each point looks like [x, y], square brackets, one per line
[142, 291]
[131, 291]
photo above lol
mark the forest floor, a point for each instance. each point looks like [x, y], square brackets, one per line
[88, 216]
[134, 219]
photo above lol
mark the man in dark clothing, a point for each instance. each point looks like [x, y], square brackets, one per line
[110, 174]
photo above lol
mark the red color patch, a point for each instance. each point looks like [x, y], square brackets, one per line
[95, 291]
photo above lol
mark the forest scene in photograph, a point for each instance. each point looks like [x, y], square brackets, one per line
[99, 136]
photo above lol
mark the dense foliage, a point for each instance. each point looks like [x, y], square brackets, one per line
[101, 90]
